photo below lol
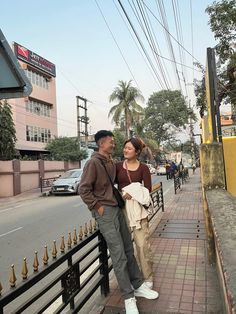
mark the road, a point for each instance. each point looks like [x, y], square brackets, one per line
[29, 225]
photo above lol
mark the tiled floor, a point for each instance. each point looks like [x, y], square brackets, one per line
[183, 277]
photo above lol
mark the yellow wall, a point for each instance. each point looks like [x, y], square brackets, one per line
[229, 145]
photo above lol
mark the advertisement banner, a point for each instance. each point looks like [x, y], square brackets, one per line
[34, 59]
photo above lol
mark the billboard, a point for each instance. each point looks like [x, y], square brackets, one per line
[34, 59]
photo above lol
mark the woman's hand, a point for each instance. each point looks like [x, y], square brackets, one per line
[127, 196]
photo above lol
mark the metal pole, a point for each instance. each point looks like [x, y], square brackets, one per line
[217, 105]
[86, 123]
[78, 120]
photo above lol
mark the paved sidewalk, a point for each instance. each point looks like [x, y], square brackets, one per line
[183, 277]
[28, 195]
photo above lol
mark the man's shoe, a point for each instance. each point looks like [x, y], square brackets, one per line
[145, 292]
[149, 284]
[130, 306]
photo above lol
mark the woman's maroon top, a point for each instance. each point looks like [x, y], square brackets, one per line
[142, 175]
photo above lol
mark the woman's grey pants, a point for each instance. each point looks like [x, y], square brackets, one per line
[114, 229]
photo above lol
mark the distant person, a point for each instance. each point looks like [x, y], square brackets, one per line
[96, 191]
[167, 166]
[194, 167]
[173, 169]
[134, 179]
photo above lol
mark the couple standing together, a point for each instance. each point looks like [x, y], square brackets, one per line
[97, 192]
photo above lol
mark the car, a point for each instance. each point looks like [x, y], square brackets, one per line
[151, 169]
[68, 183]
[161, 169]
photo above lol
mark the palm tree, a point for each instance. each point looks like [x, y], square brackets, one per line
[127, 107]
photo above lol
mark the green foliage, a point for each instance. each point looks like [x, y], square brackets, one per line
[200, 93]
[66, 148]
[7, 132]
[165, 114]
[127, 111]
[222, 20]
[119, 140]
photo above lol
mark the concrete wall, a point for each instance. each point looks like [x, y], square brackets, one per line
[229, 144]
[212, 166]
[20, 176]
[222, 209]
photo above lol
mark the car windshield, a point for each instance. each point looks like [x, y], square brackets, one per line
[71, 174]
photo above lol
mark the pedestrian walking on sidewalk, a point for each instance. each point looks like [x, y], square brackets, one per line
[97, 192]
[134, 180]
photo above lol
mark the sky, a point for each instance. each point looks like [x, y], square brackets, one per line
[93, 47]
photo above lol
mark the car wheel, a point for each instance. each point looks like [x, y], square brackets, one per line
[77, 190]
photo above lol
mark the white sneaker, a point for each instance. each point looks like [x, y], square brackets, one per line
[149, 284]
[145, 292]
[130, 306]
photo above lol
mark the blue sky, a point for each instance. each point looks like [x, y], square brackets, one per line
[73, 35]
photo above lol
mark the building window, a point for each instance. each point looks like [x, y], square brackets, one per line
[37, 79]
[38, 108]
[37, 134]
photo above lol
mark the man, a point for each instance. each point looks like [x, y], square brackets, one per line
[96, 191]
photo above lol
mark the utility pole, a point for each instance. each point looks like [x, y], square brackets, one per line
[192, 142]
[82, 119]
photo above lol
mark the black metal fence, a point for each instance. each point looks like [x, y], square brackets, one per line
[46, 182]
[71, 278]
[180, 176]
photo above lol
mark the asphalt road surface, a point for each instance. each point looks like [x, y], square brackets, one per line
[30, 224]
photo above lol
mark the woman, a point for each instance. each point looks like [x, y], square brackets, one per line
[129, 172]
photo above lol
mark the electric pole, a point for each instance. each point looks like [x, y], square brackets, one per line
[192, 142]
[82, 120]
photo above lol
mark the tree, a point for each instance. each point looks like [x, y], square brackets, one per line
[7, 132]
[66, 148]
[222, 20]
[119, 141]
[127, 108]
[166, 114]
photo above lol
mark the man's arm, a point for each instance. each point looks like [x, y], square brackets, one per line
[87, 185]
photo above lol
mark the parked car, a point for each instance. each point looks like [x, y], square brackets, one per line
[68, 183]
[151, 169]
[161, 170]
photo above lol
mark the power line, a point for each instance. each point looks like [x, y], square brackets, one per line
[191, 15]
[116, 42]
[150, 68]
[151, 40]
[141, 44]
[169, 32]
[161, 7]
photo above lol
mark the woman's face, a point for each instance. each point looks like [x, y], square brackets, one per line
[129, 151]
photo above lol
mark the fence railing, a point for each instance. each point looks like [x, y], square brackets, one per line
[180, 176]
[47, 182]
[72, 278]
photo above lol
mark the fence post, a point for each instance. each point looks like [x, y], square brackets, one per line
[105, 289]
[162, 197]
[41, 184]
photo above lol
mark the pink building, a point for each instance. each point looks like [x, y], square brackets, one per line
[35, 117]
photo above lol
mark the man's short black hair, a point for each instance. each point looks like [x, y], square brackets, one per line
[101, 134]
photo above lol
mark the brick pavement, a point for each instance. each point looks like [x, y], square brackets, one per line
[183, 277]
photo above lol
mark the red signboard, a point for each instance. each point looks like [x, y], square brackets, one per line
[33, 59]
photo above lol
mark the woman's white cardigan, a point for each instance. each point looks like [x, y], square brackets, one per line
[134, 207]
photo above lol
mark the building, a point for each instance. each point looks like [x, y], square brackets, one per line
[35, 117]
[227, 125]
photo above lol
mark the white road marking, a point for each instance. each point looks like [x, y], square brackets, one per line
[14, 230]
[6, 209]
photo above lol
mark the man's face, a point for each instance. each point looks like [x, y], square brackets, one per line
[107, 144]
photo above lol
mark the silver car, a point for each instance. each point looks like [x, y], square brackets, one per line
[68, 183]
